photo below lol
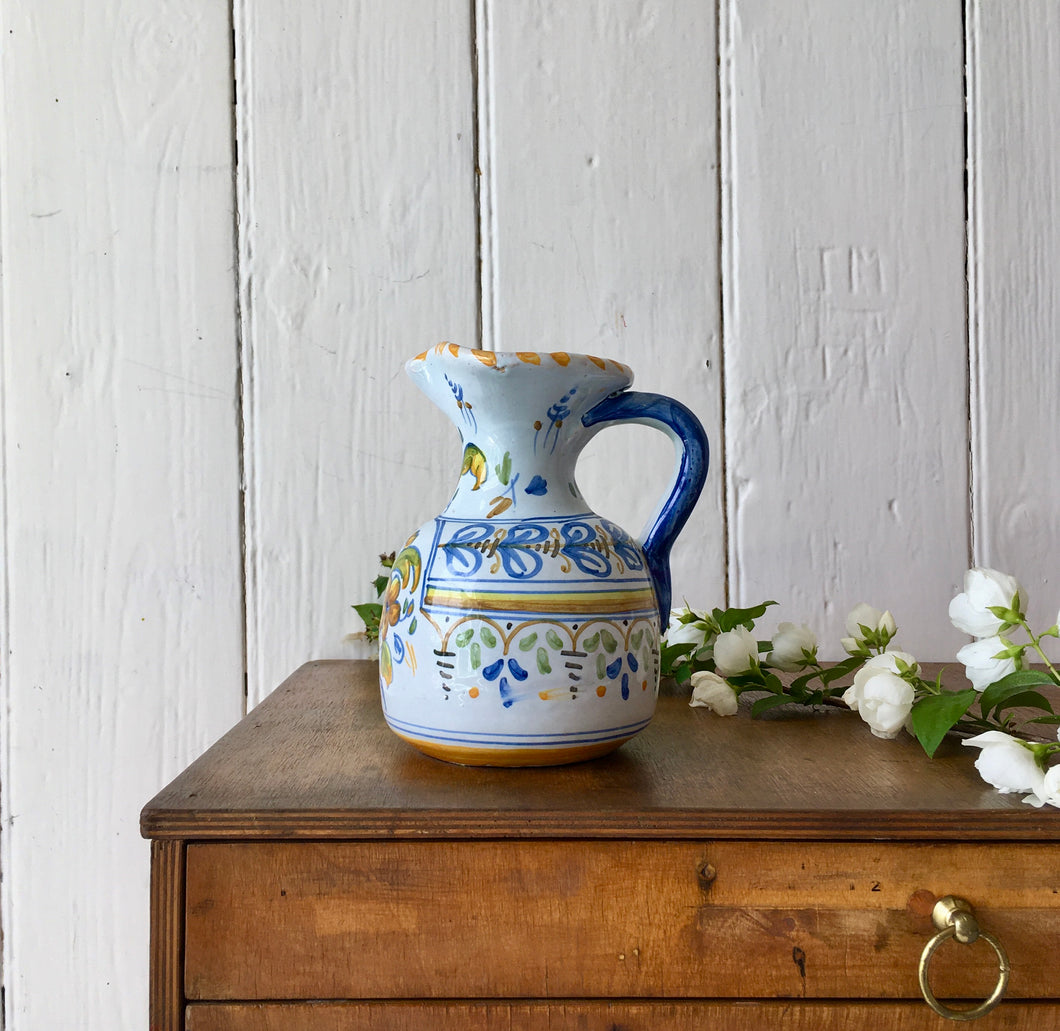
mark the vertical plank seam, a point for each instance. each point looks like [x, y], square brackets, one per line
[485, 172]
[6, 819]
[725, 12]
[242, 194]
[973, 283]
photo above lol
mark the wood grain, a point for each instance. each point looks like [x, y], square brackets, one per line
[609, 919]
[317, 760]
[1015, 209]
[122, 625]
[620, 1015]
[166, 1000]
[845, 356]
[358, 251]
[604, 209]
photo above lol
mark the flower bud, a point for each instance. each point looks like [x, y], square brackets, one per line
[735, 651]
[881, 697]
[794, 647]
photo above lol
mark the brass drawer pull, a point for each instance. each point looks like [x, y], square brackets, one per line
[954, 919]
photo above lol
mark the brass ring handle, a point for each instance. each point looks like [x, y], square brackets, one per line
[954, 918]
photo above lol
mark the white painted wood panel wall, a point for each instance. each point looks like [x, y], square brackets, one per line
[208, 292]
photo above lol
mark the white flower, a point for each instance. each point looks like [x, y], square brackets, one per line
[709, 691]
[980, 666]
[1049, 791]
[880, 696]
[735, 651]
[794, 647]
[1005, 763]
[985, 589]
[681, 632]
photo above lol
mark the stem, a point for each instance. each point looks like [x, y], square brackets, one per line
[1038, 648]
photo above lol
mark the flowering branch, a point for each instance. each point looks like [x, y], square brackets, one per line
[718, 654]
[372, 611]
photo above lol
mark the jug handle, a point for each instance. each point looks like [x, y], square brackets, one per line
[690, 473]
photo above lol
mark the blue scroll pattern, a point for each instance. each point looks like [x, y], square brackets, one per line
[597, 549]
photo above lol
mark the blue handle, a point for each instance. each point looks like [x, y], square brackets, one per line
[678, 423]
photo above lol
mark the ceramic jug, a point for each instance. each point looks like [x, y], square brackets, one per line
[519, 628]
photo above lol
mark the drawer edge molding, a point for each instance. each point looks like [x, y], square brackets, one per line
[582, 1015]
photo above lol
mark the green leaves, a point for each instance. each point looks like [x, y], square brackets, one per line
[769, 701]
[935, 715]
[1015, 691]
[730, 619]
[370, 613]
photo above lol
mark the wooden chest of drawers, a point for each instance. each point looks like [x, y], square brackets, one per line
[312, 873]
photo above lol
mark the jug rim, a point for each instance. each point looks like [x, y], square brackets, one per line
[511, 359]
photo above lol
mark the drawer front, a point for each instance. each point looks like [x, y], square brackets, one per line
[599, 1016]
[603, 919]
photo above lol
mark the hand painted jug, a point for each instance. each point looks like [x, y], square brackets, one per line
[518, 627]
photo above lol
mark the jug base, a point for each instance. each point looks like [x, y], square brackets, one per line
[462, 755]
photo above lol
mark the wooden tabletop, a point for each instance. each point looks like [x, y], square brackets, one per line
[316, 760]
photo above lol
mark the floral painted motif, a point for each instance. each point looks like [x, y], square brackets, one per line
[597, 657]
[557, 412]
[399, 606]
[464, 407]
[475, 463]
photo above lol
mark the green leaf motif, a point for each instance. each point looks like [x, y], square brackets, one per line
[504, 470]
[635, 640]
[542, 661]
[935, 715]
[412, 626]
[476, 655]
[464, 637]
[601, 666]
[610, 644]
[590, 644]
[526, 643]
[554, 640]
[489, 638]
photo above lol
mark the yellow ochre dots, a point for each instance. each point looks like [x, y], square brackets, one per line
[473, 693]
[601, 690]
[644, 685]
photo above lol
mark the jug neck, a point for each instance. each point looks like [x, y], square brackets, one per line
[506, 474]
[520, 422]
